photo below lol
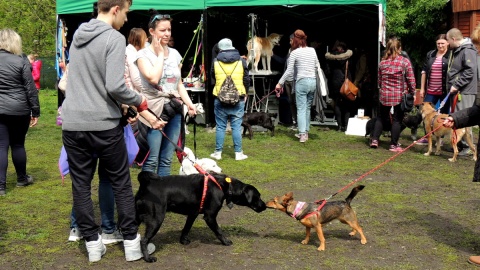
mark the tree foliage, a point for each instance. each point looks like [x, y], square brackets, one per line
[34, 21]
[417, 23]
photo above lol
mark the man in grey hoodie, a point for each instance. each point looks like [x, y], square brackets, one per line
[462, 74]
[91, 123]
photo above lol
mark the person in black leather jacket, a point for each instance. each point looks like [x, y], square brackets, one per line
[19, 107]
[470, 117]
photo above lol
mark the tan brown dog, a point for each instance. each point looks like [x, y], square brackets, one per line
[263, 47]
[309, 215]
[433, 120]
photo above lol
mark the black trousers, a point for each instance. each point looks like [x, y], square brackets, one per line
[385, 120]
[109, 147]
[288, 86]
[13, 129]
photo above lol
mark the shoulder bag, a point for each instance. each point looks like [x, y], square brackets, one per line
[348, 90]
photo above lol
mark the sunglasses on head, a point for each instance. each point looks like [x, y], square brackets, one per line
[160, 16]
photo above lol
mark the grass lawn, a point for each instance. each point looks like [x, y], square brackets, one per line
[417, 212]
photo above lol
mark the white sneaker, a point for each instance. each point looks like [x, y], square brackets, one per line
[133, 251]
[240, 156]
[112, 238]
[150, 248]
[95, 249]
[75, 235]
[216, 155]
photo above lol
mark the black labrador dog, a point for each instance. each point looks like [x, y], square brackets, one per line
[259, 119]
[184, 194]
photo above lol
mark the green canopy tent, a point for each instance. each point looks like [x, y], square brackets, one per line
[357, 22]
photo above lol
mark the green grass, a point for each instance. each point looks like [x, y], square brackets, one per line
[417, 212]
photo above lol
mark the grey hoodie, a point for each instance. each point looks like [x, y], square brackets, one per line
[462, 68]
[97, 65]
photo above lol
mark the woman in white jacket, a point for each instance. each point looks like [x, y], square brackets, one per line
[136, 41]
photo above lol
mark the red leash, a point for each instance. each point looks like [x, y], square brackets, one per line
[376, 168]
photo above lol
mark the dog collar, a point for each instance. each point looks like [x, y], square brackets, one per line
[298, 208]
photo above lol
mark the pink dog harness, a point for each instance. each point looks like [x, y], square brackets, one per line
[298, 208]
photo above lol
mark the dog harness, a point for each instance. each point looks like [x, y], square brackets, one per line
[299, 214]
[433, 122]
[206, 177]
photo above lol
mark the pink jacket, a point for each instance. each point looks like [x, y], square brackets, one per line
[36, 68]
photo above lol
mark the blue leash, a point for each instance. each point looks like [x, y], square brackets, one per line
[443, 102]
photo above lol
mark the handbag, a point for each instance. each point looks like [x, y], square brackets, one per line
[406, 104]
[348, 89]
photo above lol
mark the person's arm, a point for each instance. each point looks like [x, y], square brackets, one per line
[154, 72]
[288, 74]
[423, 80]
[114, 73]
[410, 78]
[463, 118]
[133, 72]
[468, 72]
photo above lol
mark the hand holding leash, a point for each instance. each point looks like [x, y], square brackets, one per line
[448, 122]
[278, 90]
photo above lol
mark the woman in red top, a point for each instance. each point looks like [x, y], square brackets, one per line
[36, 69]
[395, 75]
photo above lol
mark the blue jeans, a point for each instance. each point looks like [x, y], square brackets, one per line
[222, 115]
[106, 201]
[304, 92]
[436, 99]
[161, 149]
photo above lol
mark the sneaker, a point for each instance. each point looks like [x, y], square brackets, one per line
[112, 238]
[423, 141]
[373, 143]
[95, 249]
[395, 148]
[216, 155]
[303, 138]
[298, 135]
[465, 152]
[240, 156]
[294, 127]
[75, 235]
[26, 182]
[133, 251]
[2, 192]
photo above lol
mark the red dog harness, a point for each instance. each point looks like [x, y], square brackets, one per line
[207, 176]
[298, 210]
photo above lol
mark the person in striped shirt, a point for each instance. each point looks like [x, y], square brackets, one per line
[395, 77]
[302, 65]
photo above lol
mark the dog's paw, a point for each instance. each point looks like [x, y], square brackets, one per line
[452, 159]
[427, 154]
[304, 242]
[226, 242]
[363, 241]
[184, 241]
[437, 153]
[150, 259]
[321, 248]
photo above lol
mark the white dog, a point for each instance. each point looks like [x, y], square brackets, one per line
[198, 108]
[208, 164]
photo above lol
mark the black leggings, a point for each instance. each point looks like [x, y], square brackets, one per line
[384, 121]
[13, 129]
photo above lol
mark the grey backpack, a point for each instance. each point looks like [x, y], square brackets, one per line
[228, 94]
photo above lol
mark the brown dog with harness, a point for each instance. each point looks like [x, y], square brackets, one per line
[313, 215]
[434, 121]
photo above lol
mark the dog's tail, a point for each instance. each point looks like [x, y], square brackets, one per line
[353, 193]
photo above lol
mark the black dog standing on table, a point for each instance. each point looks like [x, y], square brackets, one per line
[262, 119]
[184, 194]
[411, 121]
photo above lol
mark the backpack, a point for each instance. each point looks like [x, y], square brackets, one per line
[228, 94]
